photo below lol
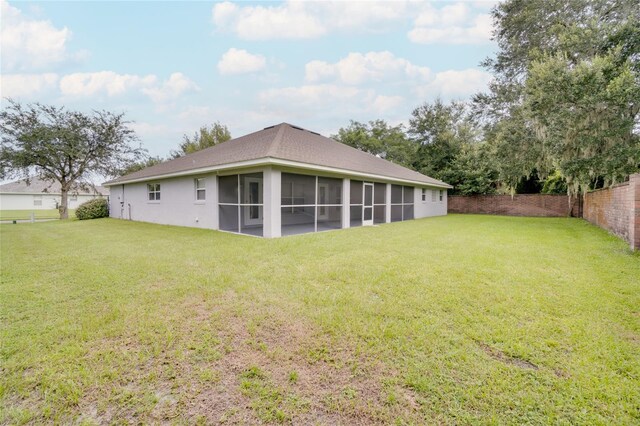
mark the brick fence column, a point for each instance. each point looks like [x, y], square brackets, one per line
[634, 216]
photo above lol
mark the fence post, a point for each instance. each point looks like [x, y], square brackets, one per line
[33, 217]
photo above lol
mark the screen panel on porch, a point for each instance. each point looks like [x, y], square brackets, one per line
[298, 204]
[310, 203]
[355, 203]
[401, 203]
[240, 203]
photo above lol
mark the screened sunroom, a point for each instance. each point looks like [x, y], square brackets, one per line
[308, 203]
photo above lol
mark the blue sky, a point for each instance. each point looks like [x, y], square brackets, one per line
[174, 66]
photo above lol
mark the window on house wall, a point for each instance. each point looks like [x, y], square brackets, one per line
[201, 192]
[424, 194]
[441, 195]
[310, 203]
[401, 203]
[154, 191]
[240, 203]
[37, 200]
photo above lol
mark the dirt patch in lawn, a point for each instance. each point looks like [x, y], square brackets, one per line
[507, 359]
[277, 367]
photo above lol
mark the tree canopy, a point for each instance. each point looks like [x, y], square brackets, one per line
[64, 146]
[379, 138]
[205, 137]
[141, 164]
[565, 95]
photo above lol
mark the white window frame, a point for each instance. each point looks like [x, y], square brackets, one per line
[37, 200]
[424, 194]
[200, 189]
[441, 195]
[153, 188]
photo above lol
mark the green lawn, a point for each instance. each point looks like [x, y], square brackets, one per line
[26, 214]
[450, 320]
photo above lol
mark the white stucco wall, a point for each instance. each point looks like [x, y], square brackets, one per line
[177, 205]
[13, 201]
[428, 207]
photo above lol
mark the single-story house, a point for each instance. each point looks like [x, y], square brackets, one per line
[281, 180]
[37, 194]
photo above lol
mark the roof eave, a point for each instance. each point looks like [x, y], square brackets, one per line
[271, 161]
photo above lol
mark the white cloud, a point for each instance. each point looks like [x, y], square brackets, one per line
[103, 82]
[113, 84]
[19, 85]
[239, 61]
[456, 83]
[452, 14]
[358, 68]
[29, 44]
[452, 23]
[290, 20]
[176, 85]
[309, 95]
[430, 30]
[382, 104]
[301, 20]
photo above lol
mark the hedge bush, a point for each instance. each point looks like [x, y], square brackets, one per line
[93, 209]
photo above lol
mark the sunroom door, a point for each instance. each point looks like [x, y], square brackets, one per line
[323, 196]
[367, 204]
[252, 195]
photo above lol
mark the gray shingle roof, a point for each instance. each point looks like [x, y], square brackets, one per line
[283, 142]
[38, 186]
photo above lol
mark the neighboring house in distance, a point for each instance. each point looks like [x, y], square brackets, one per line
[43, 195]
[282, 180]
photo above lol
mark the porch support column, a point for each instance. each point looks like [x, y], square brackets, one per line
[271, 202]
[346, 201]
[215, 214]
[387, 205]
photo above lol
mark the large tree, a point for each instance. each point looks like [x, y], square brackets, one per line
[63, 146]
[450, 147]
[565, 92]
[205, 137]
[379, 138]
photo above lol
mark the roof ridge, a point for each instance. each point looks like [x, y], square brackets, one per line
[275, 143]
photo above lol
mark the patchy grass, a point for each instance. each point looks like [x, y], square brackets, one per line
[38, 214]
[458, 319]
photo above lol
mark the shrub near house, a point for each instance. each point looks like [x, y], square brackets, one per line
[93, 209]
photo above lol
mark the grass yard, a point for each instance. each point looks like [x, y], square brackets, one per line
[450, 320]
[26, 214]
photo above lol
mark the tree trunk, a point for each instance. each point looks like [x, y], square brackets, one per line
[64, 197]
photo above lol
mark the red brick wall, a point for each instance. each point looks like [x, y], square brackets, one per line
[617, 210]
[518, 205]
